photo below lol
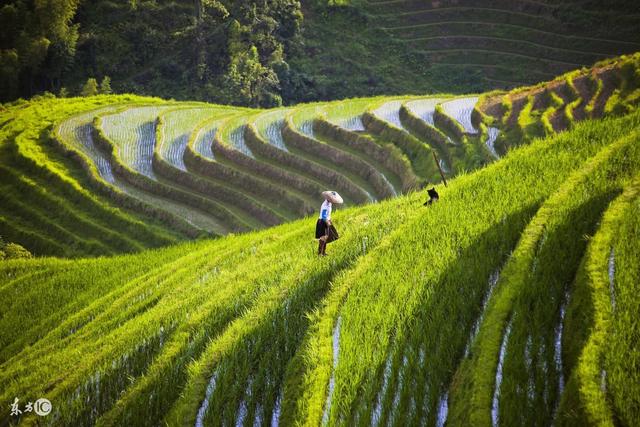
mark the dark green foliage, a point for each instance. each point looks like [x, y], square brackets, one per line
[175, 48]
[13, 251]
[262, 53]
[90, 88]
[105, 86]
[37, 45]
[16, 251]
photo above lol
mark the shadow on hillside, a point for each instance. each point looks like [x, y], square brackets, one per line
[250, 373]
[428, 347]
[530, 389]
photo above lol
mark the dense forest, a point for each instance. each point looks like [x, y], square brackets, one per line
[227, 51]
[271, 52]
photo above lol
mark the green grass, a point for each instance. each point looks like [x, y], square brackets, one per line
[136, 339]
[28, 154]
[412, 315]
[136, 158]
[535, 384]
[370, 321]
[623, 329]
[531, 268]
[599, 352]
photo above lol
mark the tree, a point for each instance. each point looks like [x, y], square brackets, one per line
[149, 46]
[90, 88]
[9, 72]
[248, 78]
[105, 86]
[214, 10]
[38, 44]
[12, 251]
[16, 251]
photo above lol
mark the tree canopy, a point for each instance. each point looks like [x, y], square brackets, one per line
[217, 50]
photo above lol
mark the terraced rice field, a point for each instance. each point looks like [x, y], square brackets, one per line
[390, 113]
[503, 43]
[526, 113]
[270, 127]
[78, 132]
[460, 109]
[511, 301]
[133, 132]
[204, 138]
[424, 109]
[210, 169]
[460, 313]
[348, 114]
[176, 129]
[236, 138]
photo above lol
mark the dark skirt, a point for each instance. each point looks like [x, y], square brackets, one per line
[321, 228]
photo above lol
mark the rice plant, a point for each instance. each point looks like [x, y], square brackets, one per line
[390, 112]
[133, 133]
[460, 109]
[424, 108]
[269, 125]
[510, 301]
[177, 126]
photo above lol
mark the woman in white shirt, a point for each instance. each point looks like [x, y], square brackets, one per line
[324, 220]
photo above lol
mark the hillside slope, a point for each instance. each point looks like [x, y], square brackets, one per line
[263, 53]
[418, 315]
[474, 46]
[82, 173]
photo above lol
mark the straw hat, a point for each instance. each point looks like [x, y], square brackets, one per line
[333, 197]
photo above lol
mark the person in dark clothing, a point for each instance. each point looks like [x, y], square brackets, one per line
[324, 220]
[433, 196]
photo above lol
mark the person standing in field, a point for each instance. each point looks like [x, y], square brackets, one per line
[324, 220]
